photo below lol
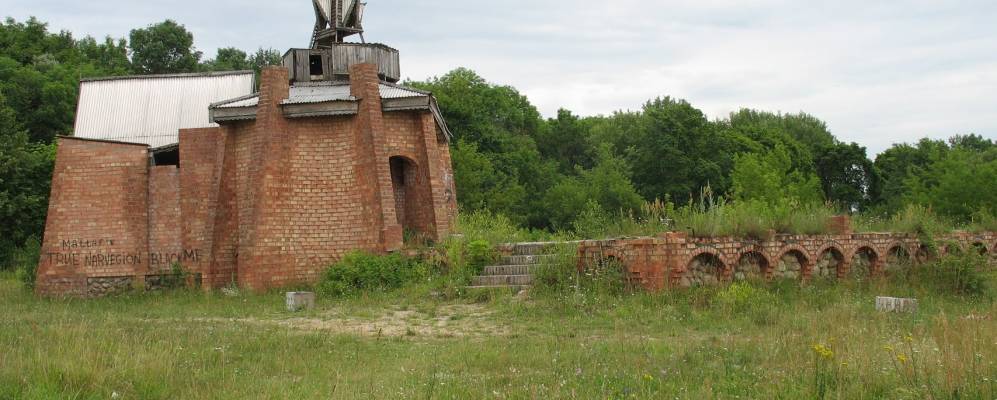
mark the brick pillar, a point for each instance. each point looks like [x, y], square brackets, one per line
[437, 186]
[259, 242]
[844, 267]
[807, 270]
[372, 164]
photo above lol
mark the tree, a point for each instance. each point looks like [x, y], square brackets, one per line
[163, 48]
[501, 124]
[770, 178]
[565, 140]
[25, 179]
[760, 131]
[607, 185]
[40, 72]
[111, 56]
[957, 185]
[229, 59]
[847, 176]
[673, 150]
[899, 164]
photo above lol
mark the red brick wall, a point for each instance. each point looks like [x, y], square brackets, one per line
[404, 138]
[672, 259]
[165, 244]
[322, 215]
[97, 224]
[264, 203]
[201, 155]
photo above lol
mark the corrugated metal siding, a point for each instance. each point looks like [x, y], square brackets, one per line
[152, 110]
[398, 92]
[318, 94]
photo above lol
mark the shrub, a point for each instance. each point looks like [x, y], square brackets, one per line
[26, 258]
[479, 254]
[364, 272]
[740, 297]
[959, 274]
[560, 272]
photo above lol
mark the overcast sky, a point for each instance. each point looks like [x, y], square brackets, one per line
[878, 72]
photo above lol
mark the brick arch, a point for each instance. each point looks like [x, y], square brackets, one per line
[993, 249]
[827, 246]
[856, 248]
[706, 250]
[910, 251]
[832, 247]
[766, 262]
[807, 257]
[689, 277]
[981, 248]
[952, 247]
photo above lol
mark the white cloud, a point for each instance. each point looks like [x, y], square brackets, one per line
[877, 72]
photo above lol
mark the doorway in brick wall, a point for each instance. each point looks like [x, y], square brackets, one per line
[405, 184]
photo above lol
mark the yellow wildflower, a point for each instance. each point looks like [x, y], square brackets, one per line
[902, 358]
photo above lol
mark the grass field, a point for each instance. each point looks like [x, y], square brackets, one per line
[775, 341]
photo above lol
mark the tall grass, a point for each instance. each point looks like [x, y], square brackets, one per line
[742, 341]
[709, 216]
[914, 219]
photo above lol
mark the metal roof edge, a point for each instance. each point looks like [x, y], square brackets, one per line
[160, 76]
[229, 101]
[395, 85]
[101, 140]
[164, 148]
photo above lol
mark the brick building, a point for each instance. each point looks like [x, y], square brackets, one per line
[262, 189]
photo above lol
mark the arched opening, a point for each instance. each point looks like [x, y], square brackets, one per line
[405, 184]
[863, 262]
[705, 269]
[980, 248]
[828, 263]
[791, 265]
[897, 259]
[925, 254]
[752, 266]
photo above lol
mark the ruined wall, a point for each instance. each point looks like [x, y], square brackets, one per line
[262, 203]
[677, 260]
[404, 138]
[324, 212]
[165, 245]
[96, 232]
[201, 152]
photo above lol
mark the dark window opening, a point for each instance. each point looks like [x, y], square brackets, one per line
[171, 157]
[398, 171]
[315, 65]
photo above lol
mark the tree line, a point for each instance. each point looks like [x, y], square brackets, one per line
[540, 172]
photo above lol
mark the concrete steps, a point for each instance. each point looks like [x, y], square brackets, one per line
[515, 269]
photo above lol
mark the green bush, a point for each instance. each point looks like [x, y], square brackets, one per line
[958, 274]
[363, 272]
[26, 258]
[479, 254]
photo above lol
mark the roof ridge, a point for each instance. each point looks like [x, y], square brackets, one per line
[160, 76]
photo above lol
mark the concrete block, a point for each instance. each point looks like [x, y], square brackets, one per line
[893, 304]
[297, 301]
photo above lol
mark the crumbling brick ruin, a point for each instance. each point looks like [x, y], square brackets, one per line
[676, 260]
[262, 190]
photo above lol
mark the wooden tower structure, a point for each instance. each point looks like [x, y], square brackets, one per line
[335, 20]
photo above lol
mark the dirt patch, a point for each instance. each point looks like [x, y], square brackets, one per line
[442, 322]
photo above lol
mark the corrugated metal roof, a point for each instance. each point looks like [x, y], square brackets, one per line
[399, 92]
[246, 101]
[303, 94]
[323, 92]
[152, 109]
